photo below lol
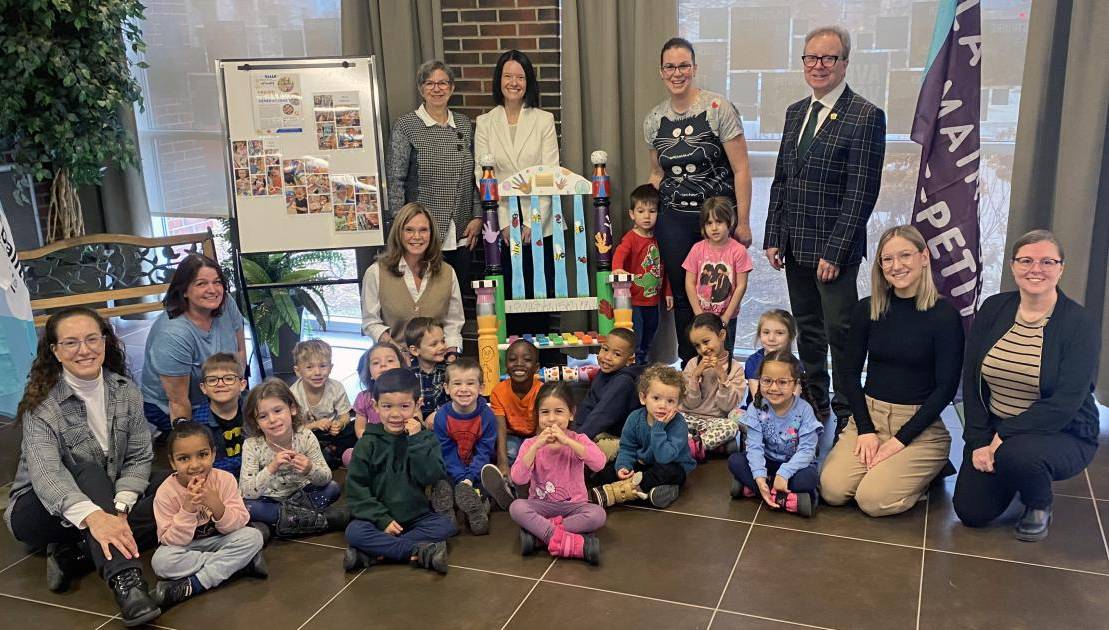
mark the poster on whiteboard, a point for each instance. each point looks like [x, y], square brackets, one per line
[305, 159]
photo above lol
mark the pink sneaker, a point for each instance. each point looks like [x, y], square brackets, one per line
[697, 448]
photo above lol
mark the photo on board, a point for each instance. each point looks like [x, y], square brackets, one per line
[242, 182]
[296, 200]
[295, 174]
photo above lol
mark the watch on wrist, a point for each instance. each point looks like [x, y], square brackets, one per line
[122, 508]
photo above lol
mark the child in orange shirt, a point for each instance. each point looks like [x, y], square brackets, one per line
[513, 403]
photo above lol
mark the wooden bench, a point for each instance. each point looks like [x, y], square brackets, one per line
[104, 270]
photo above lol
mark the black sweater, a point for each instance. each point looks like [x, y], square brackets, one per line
[915, 359]
[610, 399]
[1068, 371]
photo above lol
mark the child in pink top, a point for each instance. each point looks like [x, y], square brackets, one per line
[716, 268]
[201, 522]
[557, 512]
[383, 356]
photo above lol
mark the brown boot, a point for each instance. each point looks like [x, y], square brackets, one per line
[620, 491]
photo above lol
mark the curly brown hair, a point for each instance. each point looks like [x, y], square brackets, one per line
[664, 374]
[46, 369]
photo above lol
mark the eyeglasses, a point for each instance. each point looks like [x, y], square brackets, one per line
[669, 69]
[436, 85]
[905, 258]
[92, 342]
[782, 383]
[1024, 263]
[226, 379]
[827, 61]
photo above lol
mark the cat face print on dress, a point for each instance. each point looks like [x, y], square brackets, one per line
[690, 155]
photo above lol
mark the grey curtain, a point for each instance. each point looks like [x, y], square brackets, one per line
[1061, 168]
[124, 206]
[610, 80]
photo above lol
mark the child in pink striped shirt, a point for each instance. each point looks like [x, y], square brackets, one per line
[201, 522]
[557, 513]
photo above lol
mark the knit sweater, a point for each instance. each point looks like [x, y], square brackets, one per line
[658, 443]
[256, 481]
[179, 524]
[388, 473]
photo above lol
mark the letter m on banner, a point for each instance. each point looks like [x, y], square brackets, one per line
[946, 127]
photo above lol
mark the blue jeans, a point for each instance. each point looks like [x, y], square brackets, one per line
[645, 322]
[431, 527]
[267, 509]
[512, 447]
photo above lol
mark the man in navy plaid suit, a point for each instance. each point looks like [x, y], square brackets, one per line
[826, 181]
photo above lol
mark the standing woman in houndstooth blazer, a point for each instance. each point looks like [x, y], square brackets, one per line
[83, 489]
[431, 161]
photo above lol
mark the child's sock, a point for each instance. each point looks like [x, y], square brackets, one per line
[197, 587]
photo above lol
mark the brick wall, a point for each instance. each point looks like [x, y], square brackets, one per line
[476, 32]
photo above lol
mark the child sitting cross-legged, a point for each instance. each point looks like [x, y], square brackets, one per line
[392, 464]
[557, 514]
[223, 384]
[201, 522]
[467, 432]
[714, 386]
[285, 481]
[612, 394]
[654, 456]
[782, 436]
[322, 399]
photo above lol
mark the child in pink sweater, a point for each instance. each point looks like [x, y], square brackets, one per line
[201, 522]
[557, 513]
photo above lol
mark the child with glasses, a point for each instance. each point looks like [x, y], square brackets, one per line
[223, 383]
[782, 436]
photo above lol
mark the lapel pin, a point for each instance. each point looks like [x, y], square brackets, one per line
[833, 116]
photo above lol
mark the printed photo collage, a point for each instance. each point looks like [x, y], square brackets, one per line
[338, 121]
[307, 184]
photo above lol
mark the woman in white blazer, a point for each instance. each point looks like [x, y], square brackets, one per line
[518, 134]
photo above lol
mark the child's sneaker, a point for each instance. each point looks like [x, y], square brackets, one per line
[663, 496]
[528, 543]
[442, 498]
[696, 447]
[800, 503]
[355, 559]
[496, 486]
[467, 498]
[591, 549]
[431, 556]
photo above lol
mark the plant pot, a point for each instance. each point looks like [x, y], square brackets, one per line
[282, 364]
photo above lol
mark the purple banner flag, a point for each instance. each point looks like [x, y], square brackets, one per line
[946, 126]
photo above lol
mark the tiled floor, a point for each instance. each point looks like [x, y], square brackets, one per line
[706, 562]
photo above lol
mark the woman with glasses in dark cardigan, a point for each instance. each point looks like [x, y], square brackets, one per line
[1028, 379]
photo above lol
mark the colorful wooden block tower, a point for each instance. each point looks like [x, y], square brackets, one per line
[494, 302]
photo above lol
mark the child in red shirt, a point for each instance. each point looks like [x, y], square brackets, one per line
[638, 254]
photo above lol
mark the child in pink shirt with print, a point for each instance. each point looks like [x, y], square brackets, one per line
[716, 268]
[557, 513]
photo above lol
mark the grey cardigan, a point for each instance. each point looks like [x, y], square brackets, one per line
[57, 440]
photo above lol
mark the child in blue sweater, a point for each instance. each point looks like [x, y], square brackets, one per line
[782, 436]
[467, 432]
[654, 456]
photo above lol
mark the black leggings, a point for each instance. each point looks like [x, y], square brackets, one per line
[676, 233]
[1023, 463]
[33, 525]
[653, 475]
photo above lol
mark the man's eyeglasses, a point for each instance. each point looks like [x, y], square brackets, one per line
[669, 69]
[93, 342]
[226, 379]
[1024, 263]
[826, 61]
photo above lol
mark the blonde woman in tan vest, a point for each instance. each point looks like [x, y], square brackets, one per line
[410, 280]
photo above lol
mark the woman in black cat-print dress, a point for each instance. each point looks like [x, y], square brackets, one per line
[697, 151]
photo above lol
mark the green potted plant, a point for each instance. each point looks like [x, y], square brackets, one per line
[66, 78]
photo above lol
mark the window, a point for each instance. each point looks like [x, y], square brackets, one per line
[750, 51]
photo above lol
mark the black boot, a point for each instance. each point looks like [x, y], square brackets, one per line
[591, 549]
[337, 517]
[431, 556]
[1032, 526]
[135, 604]
[65, 561]
[294, 519]
[528, 543]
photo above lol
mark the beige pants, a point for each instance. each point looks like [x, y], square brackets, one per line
[609, 445]
[895, 484]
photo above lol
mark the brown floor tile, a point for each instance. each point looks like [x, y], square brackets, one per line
[1074, 541]
[654, 553]
[843, 583]
[726, 620]
[18, 613]
[394, 596]
[974, 593]
[499, 551]
[1099, 471]
[11, 550]
[706, 493]
[547, 608]
[1075, 486]
[848, 520]
[302, 578]
[89, 592]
